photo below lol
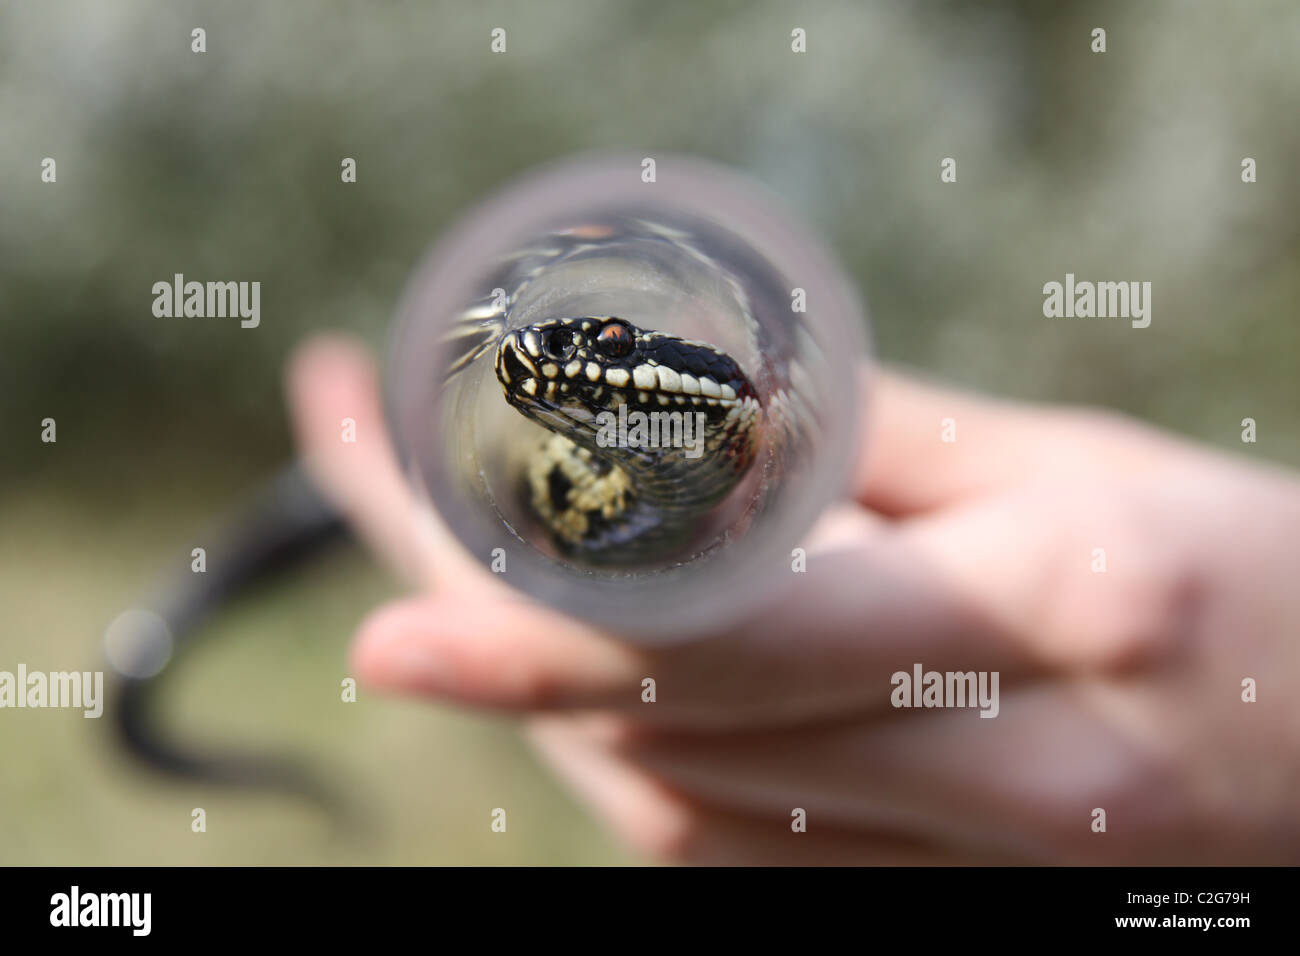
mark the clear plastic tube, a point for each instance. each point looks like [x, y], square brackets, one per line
[698, 252]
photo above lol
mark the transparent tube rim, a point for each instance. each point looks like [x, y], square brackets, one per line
[674, 607]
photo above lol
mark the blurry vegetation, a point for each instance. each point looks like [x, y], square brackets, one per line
[225, 166]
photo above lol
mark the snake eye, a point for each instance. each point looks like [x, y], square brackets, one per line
[615, 339]
[559, 344]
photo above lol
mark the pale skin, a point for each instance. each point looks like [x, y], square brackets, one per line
[1120, 690]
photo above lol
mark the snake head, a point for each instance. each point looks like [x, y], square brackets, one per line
[565, 372]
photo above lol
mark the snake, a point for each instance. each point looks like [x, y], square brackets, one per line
[645, 432]
[633, 502]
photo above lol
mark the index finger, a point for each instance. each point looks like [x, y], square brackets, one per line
[334, 400]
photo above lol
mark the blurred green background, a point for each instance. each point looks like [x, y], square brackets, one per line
[225, 165]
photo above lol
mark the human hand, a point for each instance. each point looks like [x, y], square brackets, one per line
[1119, 690]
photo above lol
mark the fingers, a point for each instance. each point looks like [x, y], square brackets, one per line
[643, 814]
[1022, 786]
[864, 609]
[661, 823]
[334, 400]
[509, 652]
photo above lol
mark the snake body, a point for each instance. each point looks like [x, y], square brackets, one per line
[648, 431]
